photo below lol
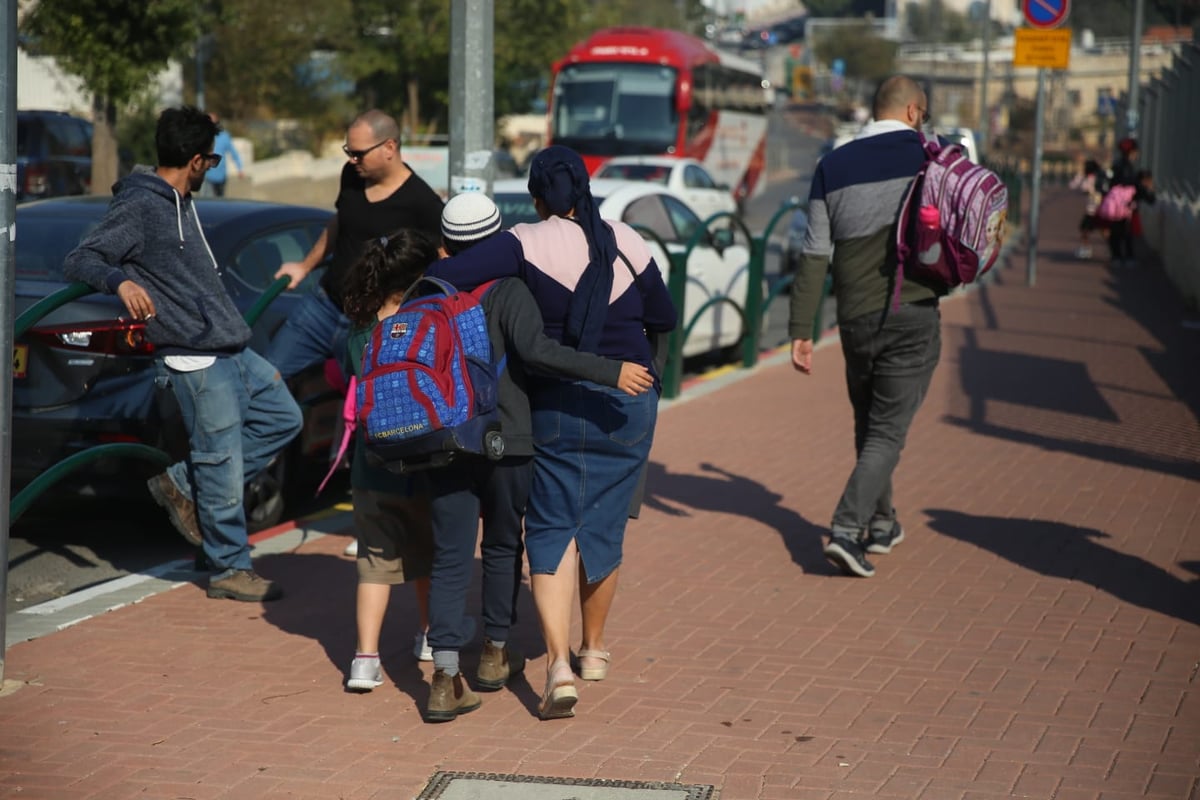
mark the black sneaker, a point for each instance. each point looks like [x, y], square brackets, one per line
[848, 556]
[881, 542]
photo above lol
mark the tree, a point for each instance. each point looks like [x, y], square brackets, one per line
[267, 62]
[936, 23]
[116, 48]
[867, 56]
[827, 8]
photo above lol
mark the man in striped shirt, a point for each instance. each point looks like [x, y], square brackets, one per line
[890, 352]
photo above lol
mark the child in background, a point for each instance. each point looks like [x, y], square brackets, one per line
[391, 512]
[1091, 182]
[496, 490]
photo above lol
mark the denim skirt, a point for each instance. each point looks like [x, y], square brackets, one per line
[591, 445]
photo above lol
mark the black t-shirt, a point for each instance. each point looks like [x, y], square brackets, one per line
[413, 205]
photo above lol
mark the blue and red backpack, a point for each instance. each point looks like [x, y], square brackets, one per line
[429, 384]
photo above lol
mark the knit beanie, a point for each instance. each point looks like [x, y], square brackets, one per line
[469, 217]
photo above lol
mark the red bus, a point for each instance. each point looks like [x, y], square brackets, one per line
[648, 91]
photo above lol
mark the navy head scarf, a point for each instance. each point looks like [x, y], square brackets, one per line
[559, 179]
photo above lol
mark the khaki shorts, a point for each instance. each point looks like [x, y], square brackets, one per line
[395, 538]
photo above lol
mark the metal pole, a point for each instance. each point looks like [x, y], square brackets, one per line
[1135, 68]
[1036, 180]
[985, 118]
[8, 211]
[472, 121]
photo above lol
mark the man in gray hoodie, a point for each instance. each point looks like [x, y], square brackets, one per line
[150, 251]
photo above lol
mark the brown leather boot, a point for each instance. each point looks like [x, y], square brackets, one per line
[179, 507]
[497, 665]
[449, 697]
[246, 585]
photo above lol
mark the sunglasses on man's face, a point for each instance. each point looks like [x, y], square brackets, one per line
[924, 115]
[212, 159]
[359, 155]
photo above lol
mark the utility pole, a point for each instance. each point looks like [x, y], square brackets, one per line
[8, 266]
[472, 96]
[1036, 180]
[985, 117]
[1135, 67]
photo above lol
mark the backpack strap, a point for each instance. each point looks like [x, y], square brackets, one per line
[349, 424]
[479, 292]
[442, 286]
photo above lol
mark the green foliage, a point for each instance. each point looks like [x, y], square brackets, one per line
[135, 128]
[115, 47]
[933, 22]
[868, 57]
[258, 51]
[827, 8]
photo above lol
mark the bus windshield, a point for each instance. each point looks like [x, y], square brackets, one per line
[615, 109]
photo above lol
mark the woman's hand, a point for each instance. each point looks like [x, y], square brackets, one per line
[634, 379]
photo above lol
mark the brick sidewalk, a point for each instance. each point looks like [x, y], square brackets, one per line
[1037, 634]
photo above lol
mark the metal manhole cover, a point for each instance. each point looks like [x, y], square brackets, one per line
[487, 786]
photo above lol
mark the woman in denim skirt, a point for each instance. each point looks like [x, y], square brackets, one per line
[599, 291]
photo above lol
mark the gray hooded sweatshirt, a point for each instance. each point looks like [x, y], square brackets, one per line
[152, 236]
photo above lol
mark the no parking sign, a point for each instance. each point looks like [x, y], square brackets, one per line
[1045, 14]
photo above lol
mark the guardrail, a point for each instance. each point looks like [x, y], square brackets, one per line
[142, 452]
[753, 306]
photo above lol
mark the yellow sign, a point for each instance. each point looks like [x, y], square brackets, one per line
[1043, 48]
[20, 360]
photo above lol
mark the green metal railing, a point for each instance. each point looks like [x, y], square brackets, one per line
[130, 450]
[753, 307]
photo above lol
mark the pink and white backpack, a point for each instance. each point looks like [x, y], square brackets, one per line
[960, 242]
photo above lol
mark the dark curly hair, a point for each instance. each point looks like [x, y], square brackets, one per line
[183, 133]
[388, 266]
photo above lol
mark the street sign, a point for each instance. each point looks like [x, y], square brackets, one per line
[1045, 14]
[1050, 49]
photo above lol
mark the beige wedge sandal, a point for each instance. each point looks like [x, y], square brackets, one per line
[594, 673]
[560, 697]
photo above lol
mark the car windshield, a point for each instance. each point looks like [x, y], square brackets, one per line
[45, 242]
[635, 172]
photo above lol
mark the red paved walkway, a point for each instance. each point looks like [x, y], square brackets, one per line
[1037, 635]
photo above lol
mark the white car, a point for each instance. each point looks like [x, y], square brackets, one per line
[717, 266]
[686, 176]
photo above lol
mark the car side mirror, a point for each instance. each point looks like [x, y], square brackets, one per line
[721, 239]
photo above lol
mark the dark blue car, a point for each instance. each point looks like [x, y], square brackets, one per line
[84, 375]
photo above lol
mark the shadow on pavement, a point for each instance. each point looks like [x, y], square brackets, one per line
[1073, 553]
[319, 604]
[730, 493]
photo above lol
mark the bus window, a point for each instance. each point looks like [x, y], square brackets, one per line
[616, 108]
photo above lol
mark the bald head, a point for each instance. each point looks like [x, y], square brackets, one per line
[381, 124]
[900, 98]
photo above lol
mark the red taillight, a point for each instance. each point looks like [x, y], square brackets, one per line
[37, 179]
[108, 337]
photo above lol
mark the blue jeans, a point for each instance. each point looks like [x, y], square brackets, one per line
[459, 494]
[317, 330]
[890, 358]
[238, 414]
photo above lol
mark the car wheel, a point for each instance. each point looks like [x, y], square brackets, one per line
[264, 494]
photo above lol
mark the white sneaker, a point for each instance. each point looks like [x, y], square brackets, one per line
[351, 549]
[421, 648]
[365, 674]
[424, 652]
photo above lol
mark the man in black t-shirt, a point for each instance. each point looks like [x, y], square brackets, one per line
[378, 194]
